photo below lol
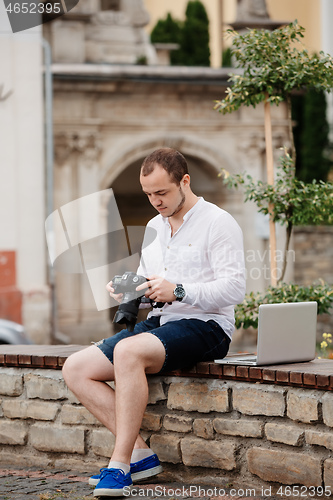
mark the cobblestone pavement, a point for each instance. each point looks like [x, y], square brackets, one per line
[37, 484]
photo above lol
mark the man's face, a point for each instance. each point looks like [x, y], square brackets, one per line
[167, 197]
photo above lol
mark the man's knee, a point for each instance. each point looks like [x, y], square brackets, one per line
[143, 350]
[125, 351]
[130, 350]
[75, 365]
[71, 366]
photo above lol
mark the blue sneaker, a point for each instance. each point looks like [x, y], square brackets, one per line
[142, 469]
[93, 480]
[147, 467]
[113, 482]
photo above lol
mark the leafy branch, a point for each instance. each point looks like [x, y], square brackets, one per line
[246, 313]
[274, 63]
[289, 201]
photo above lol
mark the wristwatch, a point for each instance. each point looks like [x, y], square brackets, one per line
[179, 292]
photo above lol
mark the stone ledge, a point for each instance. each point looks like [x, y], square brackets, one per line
[316, 374]
[134, 72]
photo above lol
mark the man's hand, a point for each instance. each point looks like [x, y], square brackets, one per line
[158, 289]
[117, 296]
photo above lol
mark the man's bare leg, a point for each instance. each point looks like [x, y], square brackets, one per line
[85, 373]
[133, 358]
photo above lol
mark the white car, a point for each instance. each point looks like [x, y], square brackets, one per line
[12, 333]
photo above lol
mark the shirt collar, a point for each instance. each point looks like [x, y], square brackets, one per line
[193, 209]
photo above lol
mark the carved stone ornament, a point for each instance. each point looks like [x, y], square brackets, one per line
[87, 144]
[110, 18]
[132, 13]
[251, 9]
[254, 14]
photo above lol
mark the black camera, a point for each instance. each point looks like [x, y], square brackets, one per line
[129, 307]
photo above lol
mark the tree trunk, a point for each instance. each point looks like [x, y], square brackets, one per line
[270, 180]
[285, 256]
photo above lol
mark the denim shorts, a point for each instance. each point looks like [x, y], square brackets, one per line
[186, 341]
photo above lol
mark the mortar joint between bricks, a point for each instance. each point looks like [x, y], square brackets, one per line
[322, 462]
[86, 436]
[285, 397]
[301, 442]
[230, 405]
[320, 412]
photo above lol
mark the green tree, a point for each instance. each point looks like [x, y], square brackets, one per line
[246, 313]
[311, 135]
[292, 201]
[192, 35]
[227, 58]
[274, 63]
[314, 138]
[194, 45]
[166, 30]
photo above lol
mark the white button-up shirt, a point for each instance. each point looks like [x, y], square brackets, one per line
[206, 256]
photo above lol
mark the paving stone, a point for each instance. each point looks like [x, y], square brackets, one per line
[102, 442]
[48, 484]
[258, 400]
[156, 391]
[328, 409]
[57, 439]
[302, 406]
[284, 467]
[328, 473]
[177, 423]
[151, 421]
[167, 447]
[13, 432]
[30, 409]
[241, 427]
[203, 396]
[199, 452]
[48, 384]
[203, 427]
[282, 433]
[11, 382]
[319, 438]
[71, 414]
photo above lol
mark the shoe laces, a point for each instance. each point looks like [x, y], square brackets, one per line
[112, 472]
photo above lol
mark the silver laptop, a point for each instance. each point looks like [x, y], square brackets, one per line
[286, 334]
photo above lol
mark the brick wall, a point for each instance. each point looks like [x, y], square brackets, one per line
[10, 295]
[313, 247]
[313, 254]
[204, 430]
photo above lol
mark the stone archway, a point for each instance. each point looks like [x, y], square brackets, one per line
[123, 176]
[211, 158]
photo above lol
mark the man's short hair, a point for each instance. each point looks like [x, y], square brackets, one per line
[170, 159]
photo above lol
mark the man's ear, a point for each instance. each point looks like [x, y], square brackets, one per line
[186, 181]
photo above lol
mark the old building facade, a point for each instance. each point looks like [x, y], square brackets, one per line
[107, 119]
[108, 113]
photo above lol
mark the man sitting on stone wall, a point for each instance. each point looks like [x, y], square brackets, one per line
[198, 272]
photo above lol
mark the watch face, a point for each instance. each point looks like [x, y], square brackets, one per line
[179, 292]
